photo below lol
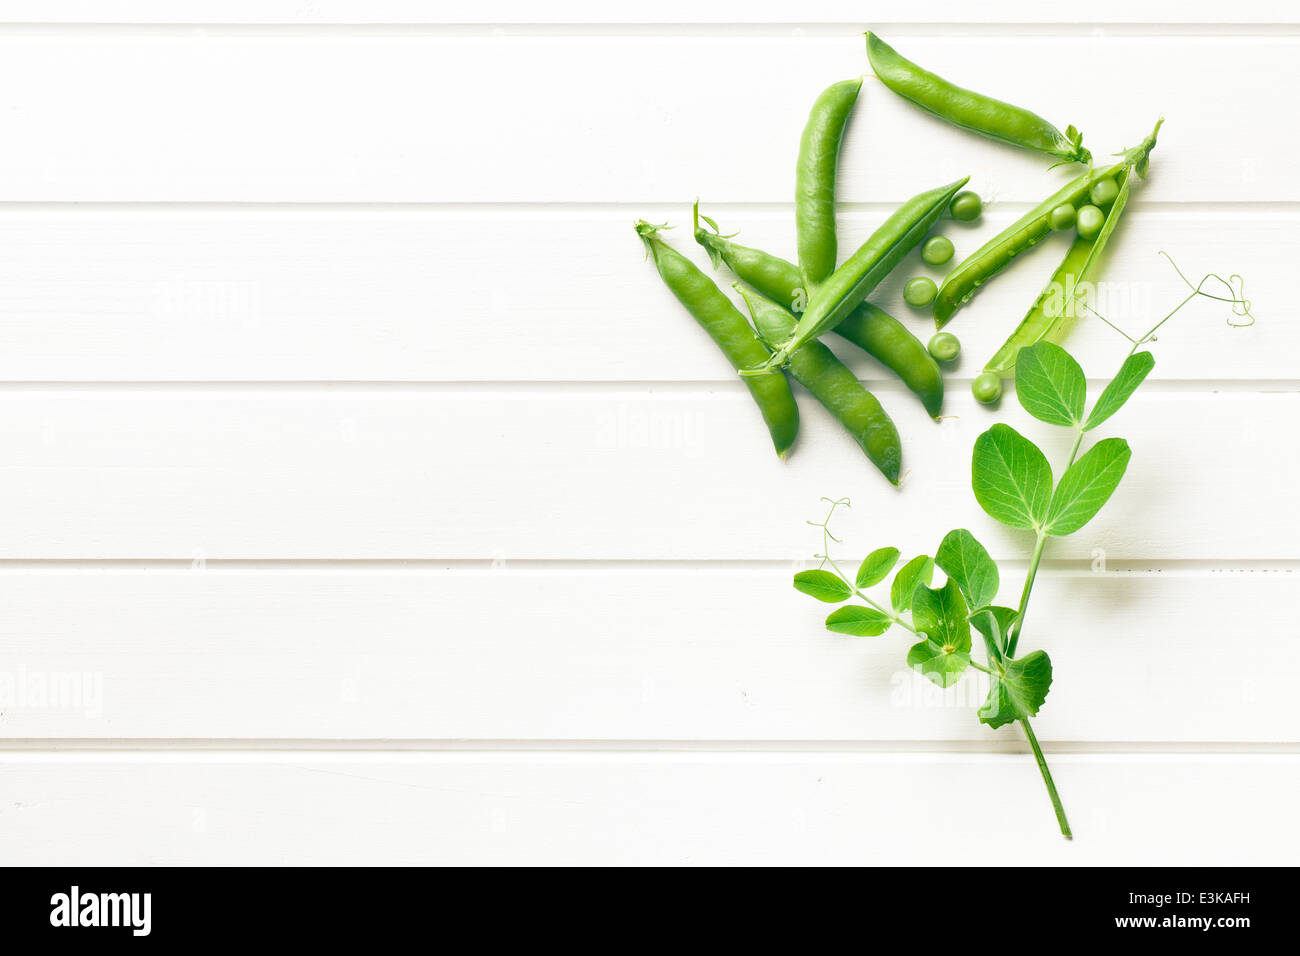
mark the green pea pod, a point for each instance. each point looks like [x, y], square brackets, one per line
[970, 110]
[891, 343]
[1049, 317]
[875, 331]
[851, 283]
[832, 383]
[814, 193]
[1027, 231]
[728, 327]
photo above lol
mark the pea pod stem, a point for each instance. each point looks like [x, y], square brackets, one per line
[1027, 231]
[852, 282]
[776, 278]
[970, 110]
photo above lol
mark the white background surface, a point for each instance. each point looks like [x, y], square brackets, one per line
[404, 516]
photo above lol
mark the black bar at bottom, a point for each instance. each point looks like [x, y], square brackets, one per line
[209, 905]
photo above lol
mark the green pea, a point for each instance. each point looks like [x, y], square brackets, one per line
[1103, 192]
[1090, 221]
[937, 250]
[1062, 217]
[987, 387]
[920, 292]
[966, 206]
[944, 347]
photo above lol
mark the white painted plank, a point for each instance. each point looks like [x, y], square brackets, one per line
[613, 654]
[588, 473]
[442, 294]
[341, 808]
[590, 11]
[404, 118]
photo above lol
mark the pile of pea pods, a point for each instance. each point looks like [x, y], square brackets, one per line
[790, 306]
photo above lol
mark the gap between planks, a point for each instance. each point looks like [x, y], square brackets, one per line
[593, 388]
[721, 30]
[1165, 567]
[1269, 209]
[270, 748]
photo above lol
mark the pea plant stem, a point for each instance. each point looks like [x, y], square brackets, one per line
[1011, 650]
[1240, 306]
[1024, 594]
[1047, 780]
[1035, 559]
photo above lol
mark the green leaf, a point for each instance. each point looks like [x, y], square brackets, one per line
[1130, 375]
[823, 585]
[965, 561]
[858, 621]
[1018, 691]
[994, 622]
[1087, 486]
[938, 667]
[1011, 477]
[940, 616]
[920, 570]
[1050, 384]
[876, 566]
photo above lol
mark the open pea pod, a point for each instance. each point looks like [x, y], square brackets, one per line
[999, 252]
[1051, 315]
[841, 293]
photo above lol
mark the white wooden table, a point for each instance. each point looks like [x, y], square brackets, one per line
[390, 510]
